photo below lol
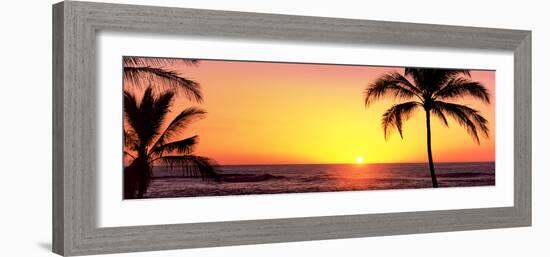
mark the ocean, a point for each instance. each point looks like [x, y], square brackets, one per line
[302, 178]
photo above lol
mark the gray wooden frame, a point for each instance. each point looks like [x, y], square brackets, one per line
[75, 25]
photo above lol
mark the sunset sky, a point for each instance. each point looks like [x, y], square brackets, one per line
[283, 113]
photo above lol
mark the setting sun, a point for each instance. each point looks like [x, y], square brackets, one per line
[359, 159]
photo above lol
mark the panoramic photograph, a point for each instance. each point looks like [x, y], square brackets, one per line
[200, 127]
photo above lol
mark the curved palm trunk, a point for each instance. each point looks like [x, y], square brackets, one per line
[143, 176]
[137, 177]
[429, 141]
[130, 181]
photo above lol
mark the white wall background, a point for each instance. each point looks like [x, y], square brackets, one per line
[25, 127]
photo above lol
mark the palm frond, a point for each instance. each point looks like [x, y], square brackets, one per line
[184, 146]
[156, 61]
[430, 80]
[417, 75]
[467, 117]
[126, 153]
[192, 166]
[130, 139]
[440, 77]
[161, 107]
[162, 80]
[390, 84]
[179, 123]
[439, 114]
[147, 116]
[462, 87]
[394, 117]
[131, 110]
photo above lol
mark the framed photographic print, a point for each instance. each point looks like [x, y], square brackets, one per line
[183, 128]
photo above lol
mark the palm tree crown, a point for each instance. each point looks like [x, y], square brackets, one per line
[146, 144]
[430, 89]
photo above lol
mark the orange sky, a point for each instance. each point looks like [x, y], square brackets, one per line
[275, 113]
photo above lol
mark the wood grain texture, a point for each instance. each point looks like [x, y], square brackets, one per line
[58, 191]
[75, 25]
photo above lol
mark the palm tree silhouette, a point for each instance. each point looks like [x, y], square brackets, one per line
[430, 89]
[140, 71]
[146, 144]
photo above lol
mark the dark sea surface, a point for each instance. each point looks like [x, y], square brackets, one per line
[301, 178]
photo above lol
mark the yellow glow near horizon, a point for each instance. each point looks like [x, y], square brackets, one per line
[280, 113]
